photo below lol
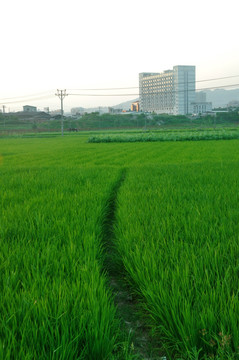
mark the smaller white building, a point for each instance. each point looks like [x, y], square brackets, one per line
[200, 105]
[28, 108]
[202, 108]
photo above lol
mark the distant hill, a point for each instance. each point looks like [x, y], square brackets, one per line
[103, 109]
[125, 105]
[221, 97]
[218, 98]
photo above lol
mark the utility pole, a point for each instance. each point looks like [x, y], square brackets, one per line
[61, 94]
[3, 111]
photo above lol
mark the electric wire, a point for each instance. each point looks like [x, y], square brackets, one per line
[136, 87]
[27, 100]
[27, 96]
[158, 92]
[51, 93]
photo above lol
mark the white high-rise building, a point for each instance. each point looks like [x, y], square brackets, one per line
[170, 92]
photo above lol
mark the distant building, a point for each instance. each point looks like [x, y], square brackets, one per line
[170, 92]
[135, 106]
[28, 108]
[77, 111]
[55, 112]
[201, 106]
[112, 110]
[234, 104]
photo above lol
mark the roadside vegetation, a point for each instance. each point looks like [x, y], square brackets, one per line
[98, 122]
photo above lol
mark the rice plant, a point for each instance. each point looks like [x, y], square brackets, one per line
[177, 233]
[55, 301]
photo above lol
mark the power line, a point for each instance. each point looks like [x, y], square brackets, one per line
[27, 96]
[103, 94]
[27, 100]
[136, 87]
[190, 90]
[104, 89]
[157, 92]
[118, 95]
[222, 78]
[36, 96]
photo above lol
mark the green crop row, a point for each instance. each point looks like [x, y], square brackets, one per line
[177, 233]
[168, 136]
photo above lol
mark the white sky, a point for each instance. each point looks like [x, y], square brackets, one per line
[74, 44]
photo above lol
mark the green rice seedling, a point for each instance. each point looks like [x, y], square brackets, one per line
[55, 302]
[176, 225]
[177, 233]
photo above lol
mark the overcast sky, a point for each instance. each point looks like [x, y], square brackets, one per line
[81, 44]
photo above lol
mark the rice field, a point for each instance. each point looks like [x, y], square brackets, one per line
[175, 234]
[178, 238]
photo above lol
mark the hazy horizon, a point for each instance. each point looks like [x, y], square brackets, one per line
[52, 45]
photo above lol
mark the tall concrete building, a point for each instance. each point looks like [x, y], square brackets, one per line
[171, 92]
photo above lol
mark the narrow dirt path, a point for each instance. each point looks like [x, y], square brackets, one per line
[143, 345]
